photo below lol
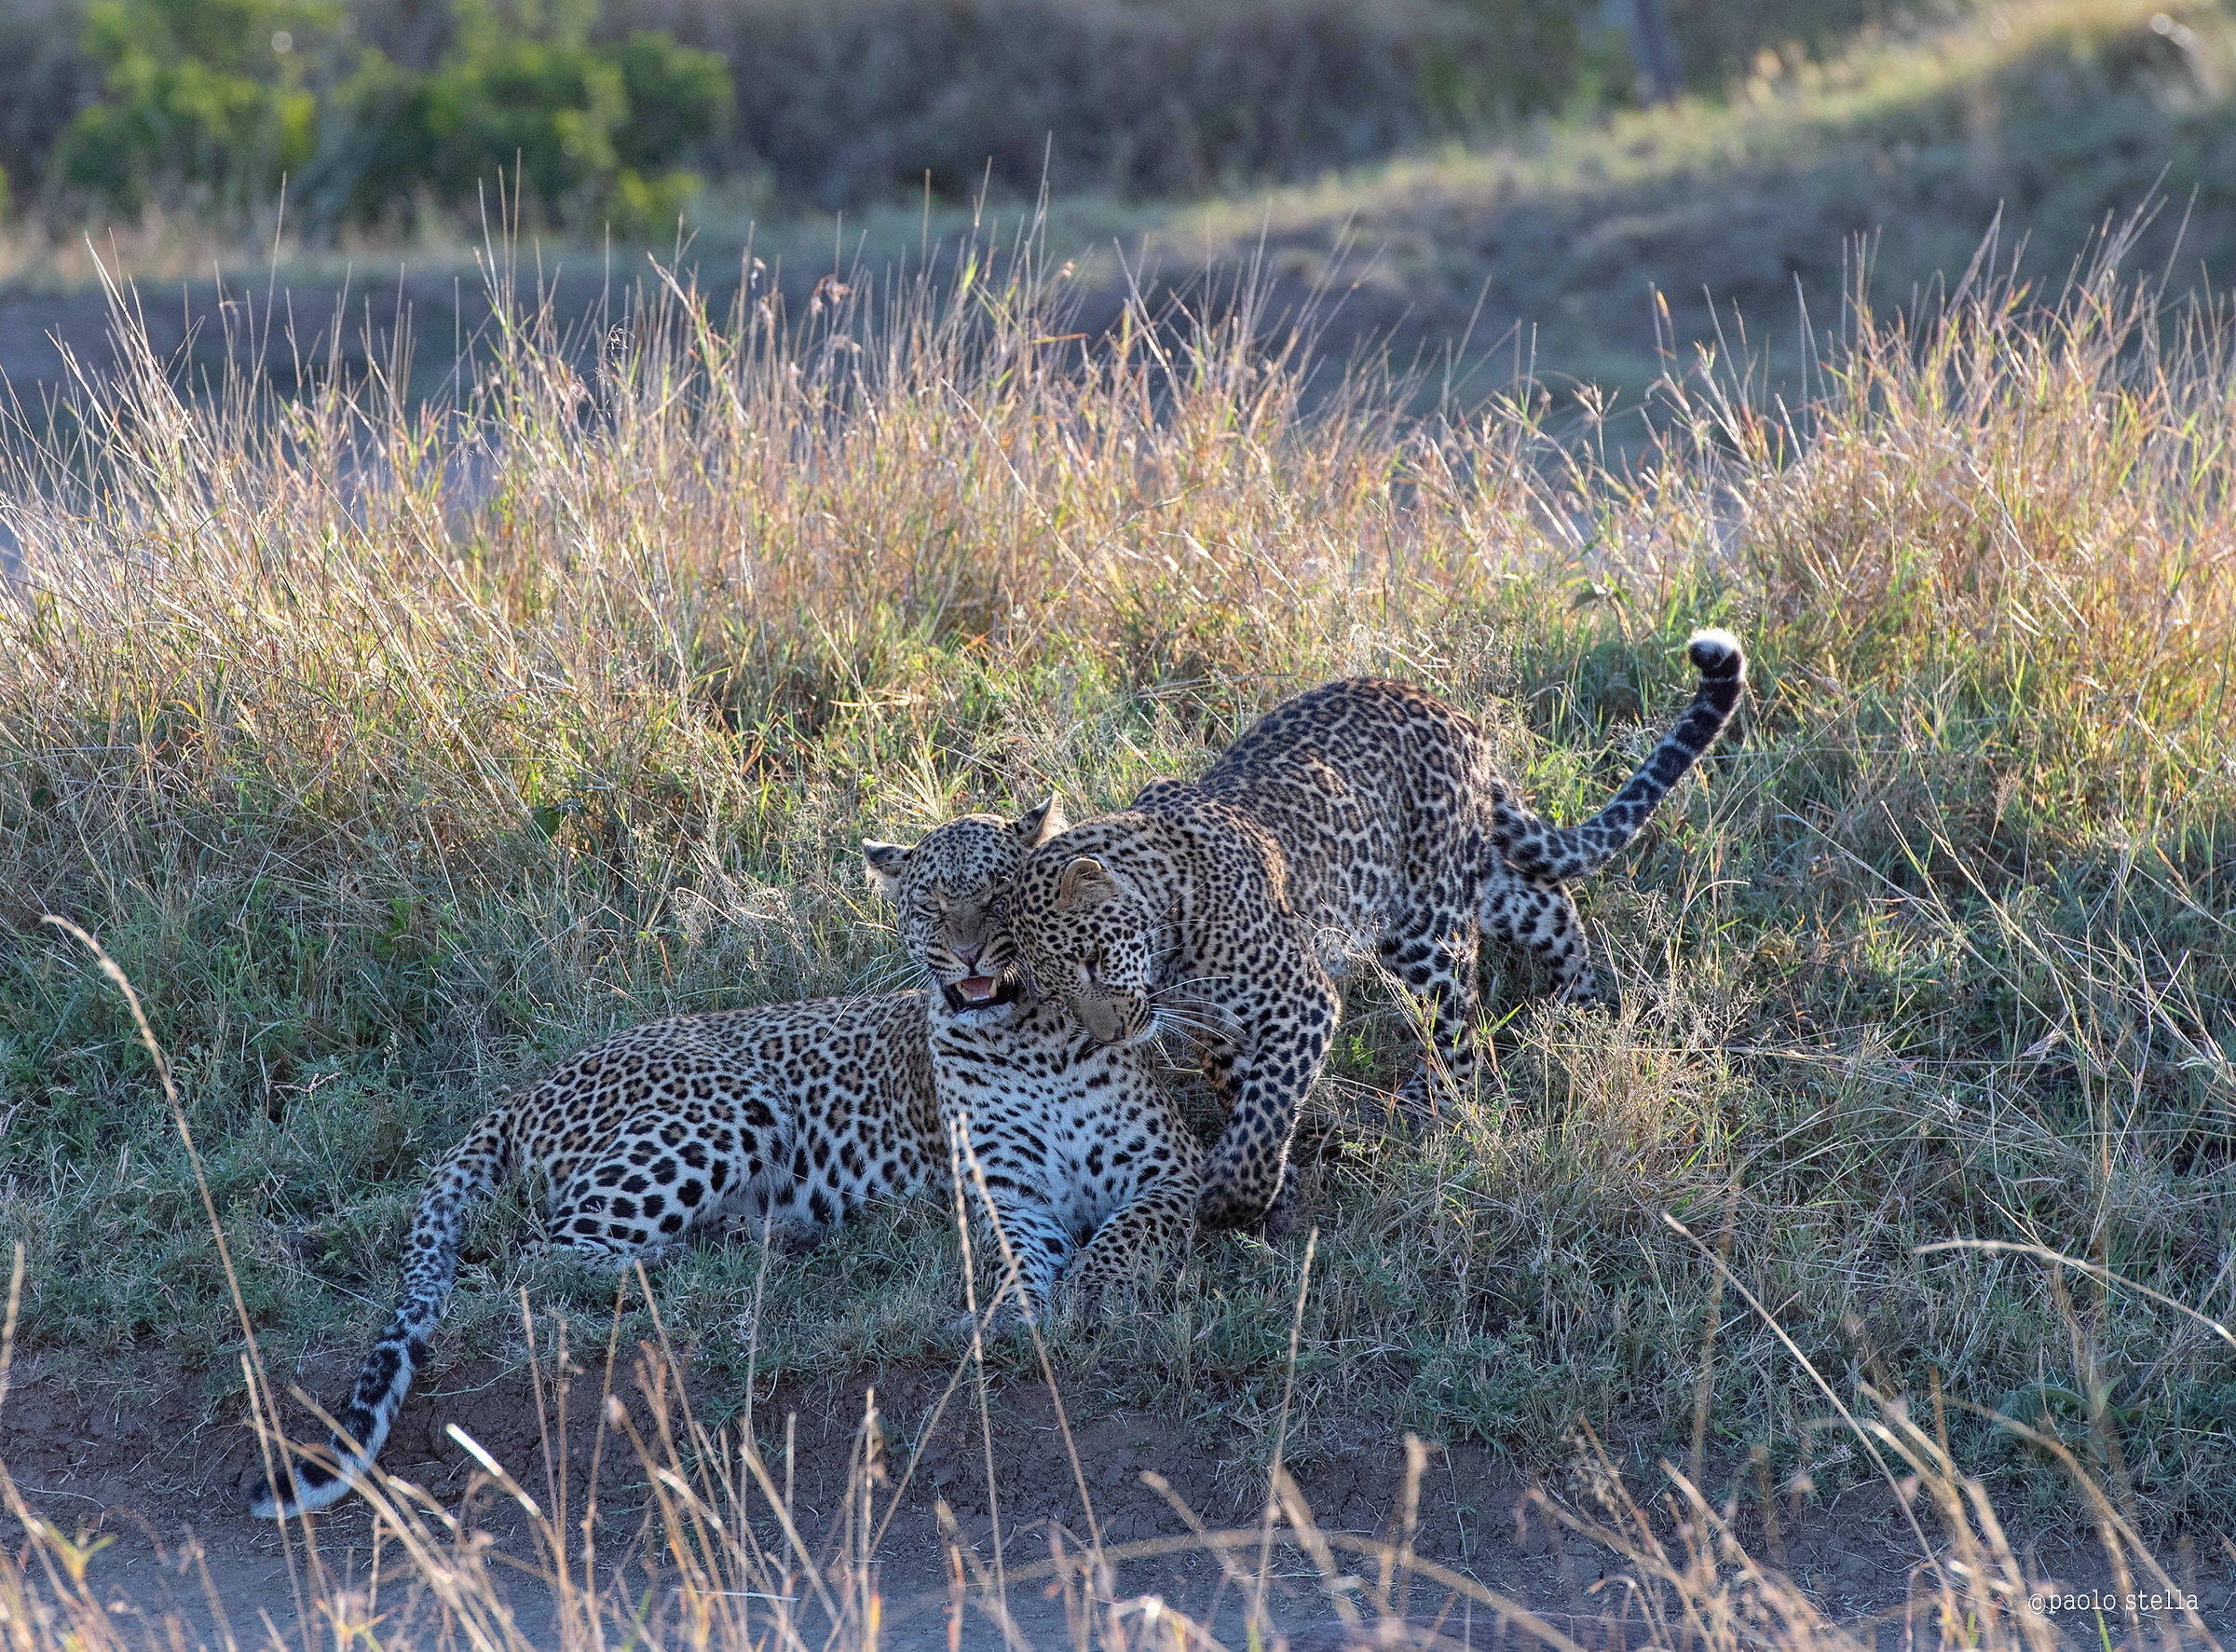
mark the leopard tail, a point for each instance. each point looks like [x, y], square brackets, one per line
[468, 1173]
[1545, 854]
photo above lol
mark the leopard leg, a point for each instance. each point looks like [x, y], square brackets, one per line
[1263, 1077]
[638, 1200]
[1539, 922]
[1143, 1241]
[1021, 1234]
[1027, 1253]
[1434, 959]
[1278, 1219]
[1146, 1238]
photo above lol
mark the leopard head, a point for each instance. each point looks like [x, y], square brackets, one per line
[946, 889]
[1091, 939]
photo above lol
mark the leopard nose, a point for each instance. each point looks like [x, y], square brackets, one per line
[1104, 1021]
[968, 956]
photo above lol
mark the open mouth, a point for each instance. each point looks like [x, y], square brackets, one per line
[978, 992]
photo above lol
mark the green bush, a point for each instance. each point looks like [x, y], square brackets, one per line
[204, 95]
[541, 110]
[678, 97]
[370, 161]
[585, 132]
[211, 99]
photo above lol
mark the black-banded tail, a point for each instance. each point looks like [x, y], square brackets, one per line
[466, 1174]
[1548, 854]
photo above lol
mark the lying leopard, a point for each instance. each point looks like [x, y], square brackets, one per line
[1088, 1168]
[792, 1117]
[1362, 816]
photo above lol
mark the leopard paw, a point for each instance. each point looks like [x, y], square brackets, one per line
[1225, 1205]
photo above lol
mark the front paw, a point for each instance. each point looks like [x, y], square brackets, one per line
[992, 1323]
[1280, 1219]
[1230, 1201]
[1601, 995]
[1420, 1100]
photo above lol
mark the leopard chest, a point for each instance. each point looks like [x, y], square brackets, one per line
[1038, 1085]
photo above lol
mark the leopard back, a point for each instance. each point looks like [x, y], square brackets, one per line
[1362, 818]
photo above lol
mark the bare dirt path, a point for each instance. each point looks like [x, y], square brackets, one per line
[132, 1462]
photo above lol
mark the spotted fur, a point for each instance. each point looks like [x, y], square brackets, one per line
[790, 1118]
[795, 1115]
[943, 893]
[1363, 817]
[1075, 1163]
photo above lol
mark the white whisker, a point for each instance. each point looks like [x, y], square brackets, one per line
[885, 977]
[1166, 1020]
[1198, 1010]
[1196, 981]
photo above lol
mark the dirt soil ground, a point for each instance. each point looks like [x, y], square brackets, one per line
[167, 1486]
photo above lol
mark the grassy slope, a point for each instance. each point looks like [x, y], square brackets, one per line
[2052, 119]
[385, 794]
[2053, 116]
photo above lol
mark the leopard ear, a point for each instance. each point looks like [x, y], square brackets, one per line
[1083, 883]
[882, 863]
[1042, 822]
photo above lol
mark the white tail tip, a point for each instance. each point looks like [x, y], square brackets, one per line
[1715, 652]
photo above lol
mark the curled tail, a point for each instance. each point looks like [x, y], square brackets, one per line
[1546, 853]
[468, 1172]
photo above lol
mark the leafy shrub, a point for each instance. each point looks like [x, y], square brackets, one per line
[205, 94]
[585, 132]
[208, 97]
[371, 157]
[677, 98]
[544, 111]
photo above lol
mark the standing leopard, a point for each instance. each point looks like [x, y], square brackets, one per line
[792, 1117]
[1360, 817]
